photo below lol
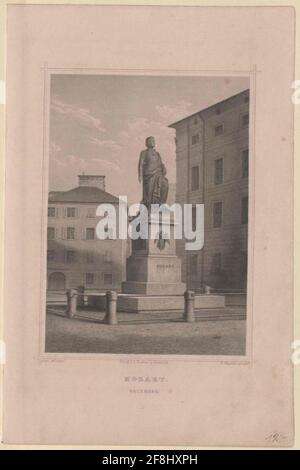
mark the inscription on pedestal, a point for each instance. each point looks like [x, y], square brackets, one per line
[164, 267]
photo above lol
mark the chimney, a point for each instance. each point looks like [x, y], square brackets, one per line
[96, 181]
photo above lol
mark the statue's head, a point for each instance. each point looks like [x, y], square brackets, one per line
[150, 142]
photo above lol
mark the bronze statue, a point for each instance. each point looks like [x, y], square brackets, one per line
[152, 172]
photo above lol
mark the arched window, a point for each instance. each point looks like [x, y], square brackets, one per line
[57, 281]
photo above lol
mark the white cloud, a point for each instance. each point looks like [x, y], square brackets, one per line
[139, 124]
[106, 164]
[107, 144]
[68, 161]
[81, 115]
[74, 162]
[170, 114]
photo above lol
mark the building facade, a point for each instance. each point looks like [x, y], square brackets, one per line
[212, 155]
[75, 256]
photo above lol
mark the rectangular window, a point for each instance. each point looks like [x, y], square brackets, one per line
[51, 233]
[90, 234]
[51, 212]
[219, 171]
[216, 263]
[217, 214]
[90, 212]
[107, 279]
[70, 256]
[50, 255]
[244, 214]
[245, 120]
[245, 163]
[89, 257]
[90, 279]
[219, 129]
[195, 139]
[71, 212]
[70, 233]
[195, 178]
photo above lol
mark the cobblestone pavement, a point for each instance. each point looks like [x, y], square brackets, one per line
[147, 333]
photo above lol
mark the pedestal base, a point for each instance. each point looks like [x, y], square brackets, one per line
[153, 288]
[153, 274]
[165, 303]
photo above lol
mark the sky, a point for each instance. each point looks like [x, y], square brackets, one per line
[98, 123]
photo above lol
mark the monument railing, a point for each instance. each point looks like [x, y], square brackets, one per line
[76, 299]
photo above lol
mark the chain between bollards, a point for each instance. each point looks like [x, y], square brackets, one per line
[189, 306]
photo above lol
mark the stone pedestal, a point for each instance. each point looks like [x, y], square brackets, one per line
[154, 274]
[167, 303]
[153, 268]
[153, 271]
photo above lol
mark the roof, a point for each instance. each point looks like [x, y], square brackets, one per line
[210, 107]
[83, 194]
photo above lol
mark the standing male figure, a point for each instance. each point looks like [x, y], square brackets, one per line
[152, 173]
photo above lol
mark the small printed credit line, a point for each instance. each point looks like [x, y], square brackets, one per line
[151, 459]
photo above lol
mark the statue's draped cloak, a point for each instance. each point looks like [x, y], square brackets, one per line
[155, 184]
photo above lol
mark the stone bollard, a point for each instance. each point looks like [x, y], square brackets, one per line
[189, 305]
[111, 308]
[72, 302]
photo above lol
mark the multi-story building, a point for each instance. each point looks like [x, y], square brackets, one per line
[212, 149]
[75, 256]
